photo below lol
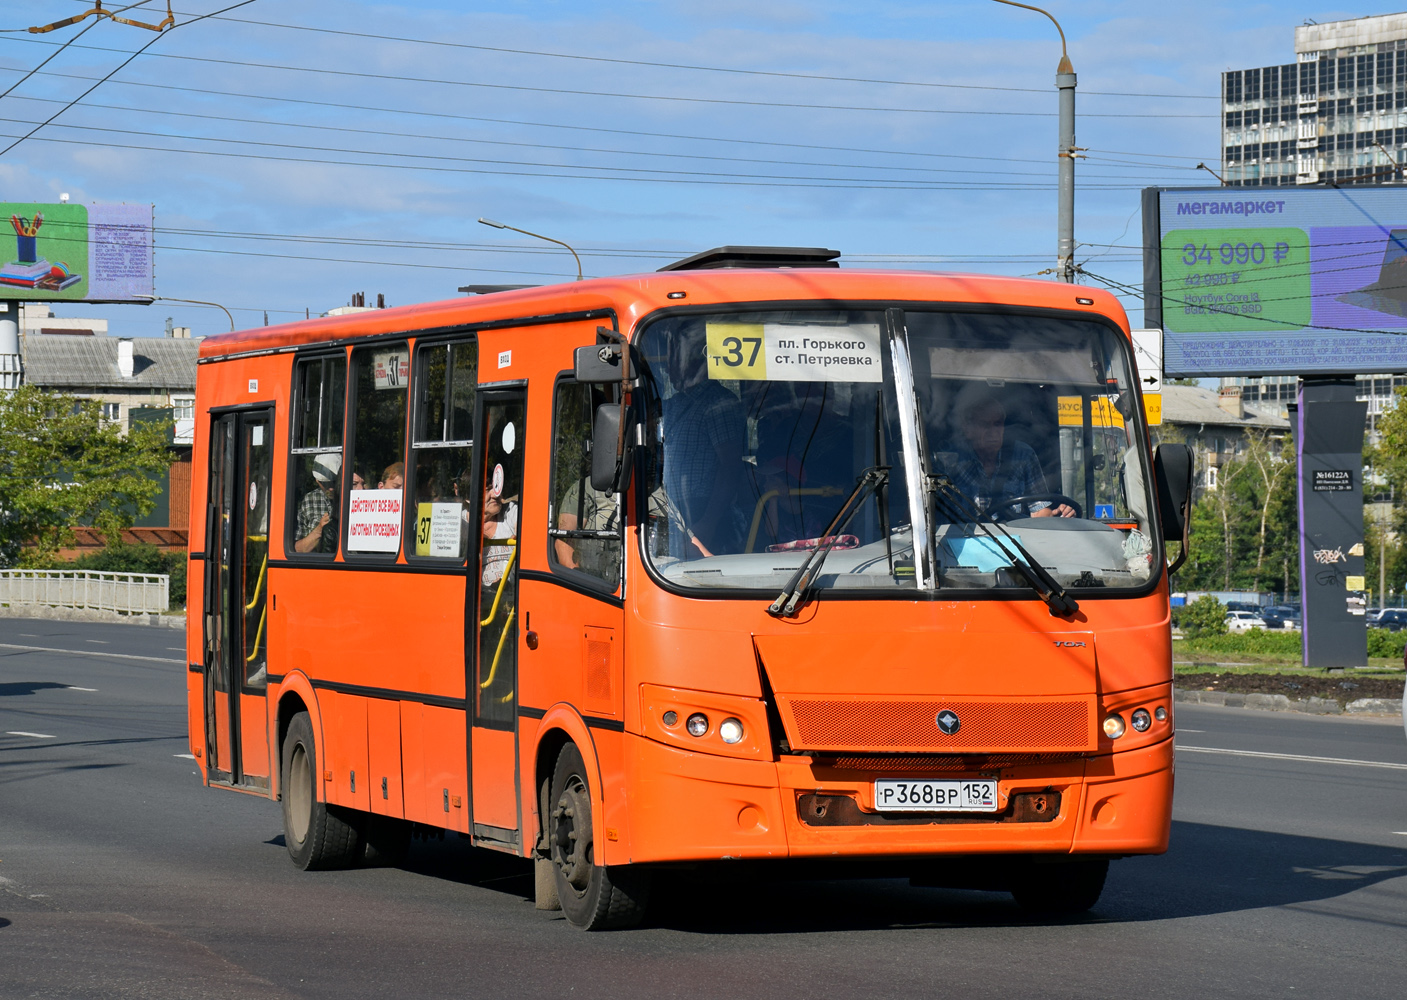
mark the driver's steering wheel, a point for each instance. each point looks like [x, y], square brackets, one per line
[998, 509]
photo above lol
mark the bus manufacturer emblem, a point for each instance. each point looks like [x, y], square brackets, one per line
[948, 722]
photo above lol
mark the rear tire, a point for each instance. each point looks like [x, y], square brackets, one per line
[318, 836]
[593, 897]
[1060, 889]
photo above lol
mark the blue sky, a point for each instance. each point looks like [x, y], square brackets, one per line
[302, 150]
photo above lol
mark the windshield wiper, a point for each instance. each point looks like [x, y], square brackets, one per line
[1046, 586]
[794, 594]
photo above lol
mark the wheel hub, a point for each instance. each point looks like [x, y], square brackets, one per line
[571, 835]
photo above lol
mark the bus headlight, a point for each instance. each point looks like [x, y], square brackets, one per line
[1113, 725]
[697, 724]
[1141, 720]
[730, 731]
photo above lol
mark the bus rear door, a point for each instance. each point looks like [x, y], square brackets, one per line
[236, 589]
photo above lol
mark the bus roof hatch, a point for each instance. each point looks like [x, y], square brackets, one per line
[721, 257]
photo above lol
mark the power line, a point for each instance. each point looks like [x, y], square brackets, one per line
[383, 133]
[381, 39]
[114, 72]
[449, 116]
[523, 88]
[579, 173]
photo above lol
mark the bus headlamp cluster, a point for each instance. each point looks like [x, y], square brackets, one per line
[1140, 719]
[697, 725]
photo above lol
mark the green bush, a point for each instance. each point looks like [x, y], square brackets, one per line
[1276, 642]
[1381, 642]
[1203, 617]
[140, 558]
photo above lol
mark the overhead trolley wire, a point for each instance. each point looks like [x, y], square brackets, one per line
[116, 70]
[492, 142]
[382, 38]
[523, 88]
[450, 116]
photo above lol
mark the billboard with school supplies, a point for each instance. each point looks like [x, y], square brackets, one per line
[76, 253]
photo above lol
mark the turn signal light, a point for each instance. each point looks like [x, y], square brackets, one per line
[1113, 725]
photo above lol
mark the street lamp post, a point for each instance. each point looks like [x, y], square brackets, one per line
[549, 239]
[1065, 222]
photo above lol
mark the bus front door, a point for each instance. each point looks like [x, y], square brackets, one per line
[236, 589]
[493, 671]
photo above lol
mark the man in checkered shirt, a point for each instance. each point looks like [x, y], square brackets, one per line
[988, 468]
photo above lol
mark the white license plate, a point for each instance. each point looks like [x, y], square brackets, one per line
[936, 796]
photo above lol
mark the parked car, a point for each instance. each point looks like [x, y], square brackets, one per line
[1281, 616]
[1243, 606]
[1392, 619]
[1243, 621]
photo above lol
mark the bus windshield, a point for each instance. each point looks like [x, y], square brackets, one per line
[760, 426]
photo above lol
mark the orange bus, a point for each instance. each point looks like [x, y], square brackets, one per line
[749, 558]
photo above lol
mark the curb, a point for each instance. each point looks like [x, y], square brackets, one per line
[43, 612]
[1281, 703]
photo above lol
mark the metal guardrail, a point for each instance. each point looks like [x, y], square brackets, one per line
[126, 593]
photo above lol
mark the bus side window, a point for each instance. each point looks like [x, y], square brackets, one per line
[320, 385]
[586, 524]
[376, 463]
[445, 380]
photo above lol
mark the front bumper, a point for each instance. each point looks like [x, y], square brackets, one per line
[695, 807]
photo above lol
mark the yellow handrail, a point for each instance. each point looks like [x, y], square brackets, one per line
[797, 491]
[502, 580]
[497, 654]
[259, 585]
[259, 635]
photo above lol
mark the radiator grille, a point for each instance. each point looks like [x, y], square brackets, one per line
[910, 725]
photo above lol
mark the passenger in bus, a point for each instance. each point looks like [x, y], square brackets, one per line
[988, 468]
[316, 526]
[703, 424]
[393, 478]
[500, 525]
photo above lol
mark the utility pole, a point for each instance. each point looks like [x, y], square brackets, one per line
[1065, 222]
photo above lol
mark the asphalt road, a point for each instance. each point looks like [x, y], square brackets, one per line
[120, 876]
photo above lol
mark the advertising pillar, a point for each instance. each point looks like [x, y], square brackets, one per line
[1329, 445]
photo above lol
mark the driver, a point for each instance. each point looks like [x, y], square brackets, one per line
[987, 467]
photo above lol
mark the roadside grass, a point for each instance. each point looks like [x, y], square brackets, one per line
[1275, 652]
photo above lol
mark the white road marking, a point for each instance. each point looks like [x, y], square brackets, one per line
[1181, 730]
[37, 736]
[73, 688]
[1400, 833]
[100, 642]
[1294, 756]
[187, 756]
[89, 652]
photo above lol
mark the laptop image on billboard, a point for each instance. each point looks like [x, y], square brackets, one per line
[1389, 293]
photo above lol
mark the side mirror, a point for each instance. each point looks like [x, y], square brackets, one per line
[610, 452]
[1172, 469]
[596, 363]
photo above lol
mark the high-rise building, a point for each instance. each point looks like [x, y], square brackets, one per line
[1338, 113]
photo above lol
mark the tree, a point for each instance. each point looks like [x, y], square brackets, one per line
[62, 465]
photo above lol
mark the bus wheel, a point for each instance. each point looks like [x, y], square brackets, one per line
[593, 897]
[318, 836]
[1065, 888]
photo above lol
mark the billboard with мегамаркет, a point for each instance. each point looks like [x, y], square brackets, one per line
[62, 252]
[1277, 280]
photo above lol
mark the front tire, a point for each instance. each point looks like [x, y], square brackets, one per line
[593, 897]
[318, 836]
[1061, 889]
